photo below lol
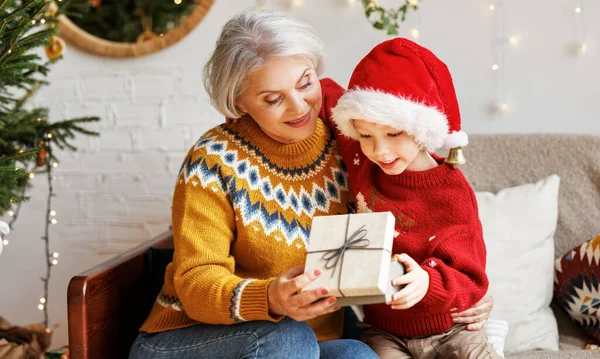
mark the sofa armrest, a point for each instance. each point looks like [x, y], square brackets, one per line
[105, 304]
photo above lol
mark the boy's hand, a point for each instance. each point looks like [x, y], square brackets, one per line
[416, 280]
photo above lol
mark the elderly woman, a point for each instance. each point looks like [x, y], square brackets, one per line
[243, 205]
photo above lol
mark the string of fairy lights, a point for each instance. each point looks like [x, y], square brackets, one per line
[46, 163]
[501, 41]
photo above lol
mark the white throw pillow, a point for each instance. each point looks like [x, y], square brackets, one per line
[518, 228]
[496, 330]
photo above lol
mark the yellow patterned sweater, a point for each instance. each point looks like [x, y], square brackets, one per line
[242, 212]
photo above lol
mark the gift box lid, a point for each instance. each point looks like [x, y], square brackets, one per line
[353, 252]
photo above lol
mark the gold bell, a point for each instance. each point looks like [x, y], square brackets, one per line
[456, 157]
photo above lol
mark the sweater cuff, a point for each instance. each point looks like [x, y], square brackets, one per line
[254, 303]
[437, 295]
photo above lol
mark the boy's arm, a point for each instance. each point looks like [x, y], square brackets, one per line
[352, 155]
[456, 268]
[332, 92]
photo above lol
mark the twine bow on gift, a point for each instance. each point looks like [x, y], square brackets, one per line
[356, 241]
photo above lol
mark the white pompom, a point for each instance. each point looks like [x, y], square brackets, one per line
[456, 139]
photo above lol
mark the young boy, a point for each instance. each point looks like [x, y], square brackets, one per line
[400, 107]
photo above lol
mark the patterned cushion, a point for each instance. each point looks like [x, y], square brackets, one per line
[576, 286]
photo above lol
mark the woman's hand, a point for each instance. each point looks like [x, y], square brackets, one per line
[476, 317]
[416, 280]
[286, 298]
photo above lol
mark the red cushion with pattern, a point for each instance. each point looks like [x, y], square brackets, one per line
[576, 286]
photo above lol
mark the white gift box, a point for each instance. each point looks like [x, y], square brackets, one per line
[353, 253]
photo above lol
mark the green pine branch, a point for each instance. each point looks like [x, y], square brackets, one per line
[24, 132]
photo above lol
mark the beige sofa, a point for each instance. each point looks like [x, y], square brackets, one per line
[108, 303]
[501, 161]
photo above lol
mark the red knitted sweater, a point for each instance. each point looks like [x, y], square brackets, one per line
[437, 224]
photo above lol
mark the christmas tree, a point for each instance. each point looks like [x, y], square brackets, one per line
[26, 134]
[28, 137]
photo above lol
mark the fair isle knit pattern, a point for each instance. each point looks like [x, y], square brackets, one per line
[301, 202]
[242, 209]
[168, 301]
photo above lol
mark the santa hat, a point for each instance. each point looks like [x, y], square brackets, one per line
[405, 86]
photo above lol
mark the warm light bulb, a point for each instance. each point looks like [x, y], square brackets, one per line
[177, 2]
[53, 221]
[41, 307]
[53, 213]
[49, 135]
[31, 175]
[55, 164]
[502, 107]
[495, 67]
[578, 9]
[579, 48]
[492, 7]
[32, 22]
[514, 40]
[297, 3]
[42, 300]
[11, 213]
[55, 255]
[5, 242]
[54, 262]
[48, 330]
[414, 32]
[42, 21]
[413, 2]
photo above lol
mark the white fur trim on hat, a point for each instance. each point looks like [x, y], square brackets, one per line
[456, 139]
[427, 125]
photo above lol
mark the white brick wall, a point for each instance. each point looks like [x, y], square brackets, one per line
[116, 190]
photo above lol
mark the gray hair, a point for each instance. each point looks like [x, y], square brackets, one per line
[248, 40]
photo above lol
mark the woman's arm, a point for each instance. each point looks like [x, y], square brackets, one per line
[203, 268]
[203, 230]
[476, 316]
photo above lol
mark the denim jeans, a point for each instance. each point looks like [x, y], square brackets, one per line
[256, 339]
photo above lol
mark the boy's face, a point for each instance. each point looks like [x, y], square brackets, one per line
[391, 149]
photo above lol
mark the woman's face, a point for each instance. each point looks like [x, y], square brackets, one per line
[284, 98]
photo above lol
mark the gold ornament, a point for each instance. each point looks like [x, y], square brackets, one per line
[55, 48]
[456, 157]
[147, 34]
[51, 11]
